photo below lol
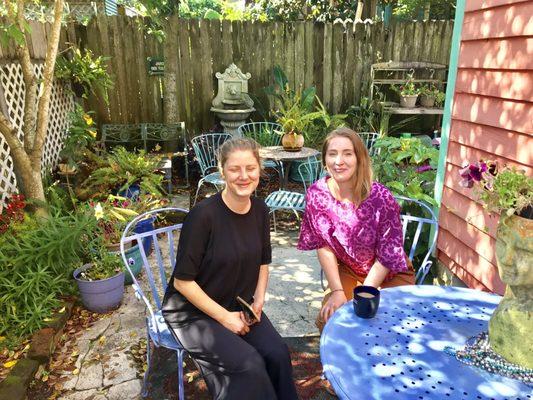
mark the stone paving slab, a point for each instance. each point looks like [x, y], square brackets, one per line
[107, 373]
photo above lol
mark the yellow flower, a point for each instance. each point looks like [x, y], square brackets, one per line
[98, 211]
[92, 132]
[88, 119]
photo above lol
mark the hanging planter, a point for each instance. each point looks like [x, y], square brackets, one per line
[427, 101]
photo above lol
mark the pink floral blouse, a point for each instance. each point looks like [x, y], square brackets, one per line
[356, 235]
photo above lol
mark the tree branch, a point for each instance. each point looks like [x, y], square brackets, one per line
[30, 82]
[9, 132]
[48, 78]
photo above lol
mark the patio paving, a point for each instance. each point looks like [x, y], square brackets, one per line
[107, 366]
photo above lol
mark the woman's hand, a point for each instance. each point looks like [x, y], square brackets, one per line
[257, 306]
[234, 321]
[337, 299]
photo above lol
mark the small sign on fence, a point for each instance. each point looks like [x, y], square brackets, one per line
[156, 65]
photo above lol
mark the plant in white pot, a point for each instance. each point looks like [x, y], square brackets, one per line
[408, 93]
[509, 192]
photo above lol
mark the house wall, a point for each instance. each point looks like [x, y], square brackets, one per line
[492, 118]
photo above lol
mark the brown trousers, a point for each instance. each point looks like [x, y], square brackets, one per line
[350, 280]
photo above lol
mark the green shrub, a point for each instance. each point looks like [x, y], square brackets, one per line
[37, 257]
[407, 166]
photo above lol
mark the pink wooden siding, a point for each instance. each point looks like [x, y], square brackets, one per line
[492, 118]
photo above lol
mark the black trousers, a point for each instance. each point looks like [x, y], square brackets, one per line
[256, 366]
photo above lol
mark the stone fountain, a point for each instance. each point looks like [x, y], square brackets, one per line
[232, 103]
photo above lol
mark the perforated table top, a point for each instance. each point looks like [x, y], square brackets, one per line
[399, 354]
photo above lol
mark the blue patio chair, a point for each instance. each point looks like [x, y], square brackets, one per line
[414, 229]
[369, 138]
[309, 172]
[156, 267]
[266, 134]
[206, 151]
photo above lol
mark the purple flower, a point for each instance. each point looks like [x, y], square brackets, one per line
[423, 168]
[131, 261]
[472, 172]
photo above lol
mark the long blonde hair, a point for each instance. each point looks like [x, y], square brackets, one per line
[363, 169]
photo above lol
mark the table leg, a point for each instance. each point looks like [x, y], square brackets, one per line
[286, 172]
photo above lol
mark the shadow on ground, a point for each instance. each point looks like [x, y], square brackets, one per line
[163, 383]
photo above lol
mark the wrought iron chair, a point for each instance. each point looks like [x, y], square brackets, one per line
[309, 172]
[266, 134]
[206, 150]
[369, 138]
[164, 255]
[415, 228]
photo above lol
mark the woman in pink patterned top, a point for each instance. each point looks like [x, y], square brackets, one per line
[354, 224]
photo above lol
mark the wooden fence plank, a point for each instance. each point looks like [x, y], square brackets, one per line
[327, 71]
[337, 82]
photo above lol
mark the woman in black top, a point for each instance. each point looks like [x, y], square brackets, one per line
[224, 252]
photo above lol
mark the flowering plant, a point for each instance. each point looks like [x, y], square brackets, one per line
[14, 212]
[505, 189]
[407, 89]
[115, 212]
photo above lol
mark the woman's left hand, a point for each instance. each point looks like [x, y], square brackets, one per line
[258, 308]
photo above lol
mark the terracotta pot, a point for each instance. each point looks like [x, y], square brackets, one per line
[292, 141]
[408, 101]
[511, 324]
[427, 101]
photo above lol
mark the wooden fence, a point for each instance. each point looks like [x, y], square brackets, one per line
[333, 57]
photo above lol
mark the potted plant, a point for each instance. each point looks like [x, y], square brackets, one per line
[101, 281]
[87, 74]
[431, 96]
[294, 116]
[408, 93]
[124, 173]
[509, 192]
[81, 136]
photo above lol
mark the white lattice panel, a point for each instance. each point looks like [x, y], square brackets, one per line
[60, 105]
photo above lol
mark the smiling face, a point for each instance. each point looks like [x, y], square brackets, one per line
[241, 171]
[340, 159]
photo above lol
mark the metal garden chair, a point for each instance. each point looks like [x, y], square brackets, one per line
[414, 229]
[309, 172]
[206, 150]
[369, 138]
[164, 255]
[266, 134]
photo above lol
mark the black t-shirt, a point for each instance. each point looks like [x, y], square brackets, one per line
[222, 251]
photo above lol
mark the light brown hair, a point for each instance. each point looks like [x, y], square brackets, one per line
[236, 144]
[363, 169]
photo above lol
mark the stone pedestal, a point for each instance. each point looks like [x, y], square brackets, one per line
[511, 325]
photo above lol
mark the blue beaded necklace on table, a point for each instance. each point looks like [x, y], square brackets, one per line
[478, 353]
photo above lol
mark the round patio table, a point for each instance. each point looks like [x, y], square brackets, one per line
[277, 153]
[399, 354]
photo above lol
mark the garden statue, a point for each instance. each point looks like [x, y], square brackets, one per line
[511, 325]
[232, 103]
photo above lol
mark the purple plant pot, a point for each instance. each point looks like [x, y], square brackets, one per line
[103, 295]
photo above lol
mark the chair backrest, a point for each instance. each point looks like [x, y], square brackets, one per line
[369, 138]
[206, 150]
[419, 228]
[264, 133]
[311, 171]
[158, 266]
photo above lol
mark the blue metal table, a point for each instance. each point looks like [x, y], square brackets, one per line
[399, 354]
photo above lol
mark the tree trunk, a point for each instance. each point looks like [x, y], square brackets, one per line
[170, 95]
